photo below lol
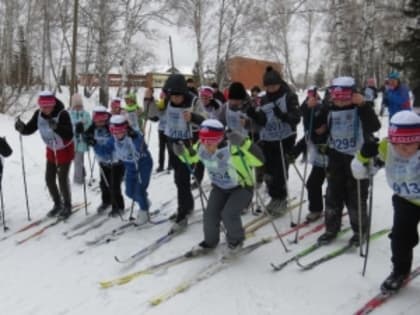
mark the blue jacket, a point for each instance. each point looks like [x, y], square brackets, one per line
[398, 99]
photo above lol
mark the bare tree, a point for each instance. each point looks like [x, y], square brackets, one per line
[237, 22]
[194, 16]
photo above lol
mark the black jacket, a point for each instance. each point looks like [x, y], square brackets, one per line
[64, 126]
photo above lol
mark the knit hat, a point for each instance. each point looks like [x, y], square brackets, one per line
[395, 75]
[271, 76]
[404, 127]
[237, 91]
[211, 131]
[131, 97]
[116, 103]
[206, 92]
[312, 91]
[118, 124]
[176, 85]
[46, 99]
[342, 88]
[100, 114]
[76, 100]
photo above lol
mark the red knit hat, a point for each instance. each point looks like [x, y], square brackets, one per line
[342, 88]
[46, 99]
[100, 114]
[404, 127]
[116, 103]
[206, 92]
[118, 124]
[211, 131]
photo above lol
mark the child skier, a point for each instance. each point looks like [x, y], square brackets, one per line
[111, 169]
[401, 155]
[81, 121]
[350, 123]
[133, 111]
[314, 114]
[179, 128]
[278, 116]
[54, 125]
[229, 165]
[132, 150]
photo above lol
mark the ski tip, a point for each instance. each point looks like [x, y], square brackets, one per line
[117, 259]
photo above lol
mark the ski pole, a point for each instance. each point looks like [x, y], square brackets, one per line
[302, 194]
[3, 214]
[370, 207]
[84, 191]
[302, 191]
[283, 163]
[359, 215]
[24, 178]
[258, 196]
[92, 166]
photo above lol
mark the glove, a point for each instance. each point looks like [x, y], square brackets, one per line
[19, 125]
[369, 149]
[178, 148]
[53, 124]
[359, 170]
[251, 112]
[90, 141]
[235, 138]
[79, 128]
[279, 114]
[154, 118]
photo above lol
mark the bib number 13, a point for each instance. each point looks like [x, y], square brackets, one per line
[406, 188]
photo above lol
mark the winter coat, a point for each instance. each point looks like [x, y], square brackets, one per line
[398, 99]
[104, 143]
[234, 163]
[84, 117]
[292, 104]
[350, 126]
[63, 132]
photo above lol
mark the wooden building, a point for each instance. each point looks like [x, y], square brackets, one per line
[249, 71]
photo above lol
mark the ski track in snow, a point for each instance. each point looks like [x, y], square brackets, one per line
[46, 276]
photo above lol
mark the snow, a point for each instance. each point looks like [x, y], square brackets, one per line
[47, 276]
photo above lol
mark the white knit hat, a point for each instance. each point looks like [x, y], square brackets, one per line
[404, 127]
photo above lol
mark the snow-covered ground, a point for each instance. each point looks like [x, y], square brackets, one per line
[47, 276]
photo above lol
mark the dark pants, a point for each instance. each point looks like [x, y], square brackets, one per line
[314, 187]
[275, 177]
[62, 172]
[404, 235]
[225, 205]
[110, 184]
[163, 140]
[342, 191]
[182, 177]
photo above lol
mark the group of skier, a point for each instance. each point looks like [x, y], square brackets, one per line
[240, 142]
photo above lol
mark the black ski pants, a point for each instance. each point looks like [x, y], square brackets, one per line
[404, 234]
[342, 191]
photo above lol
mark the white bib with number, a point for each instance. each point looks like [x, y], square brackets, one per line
[403, 175]
[346, 134]
[176, 126]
